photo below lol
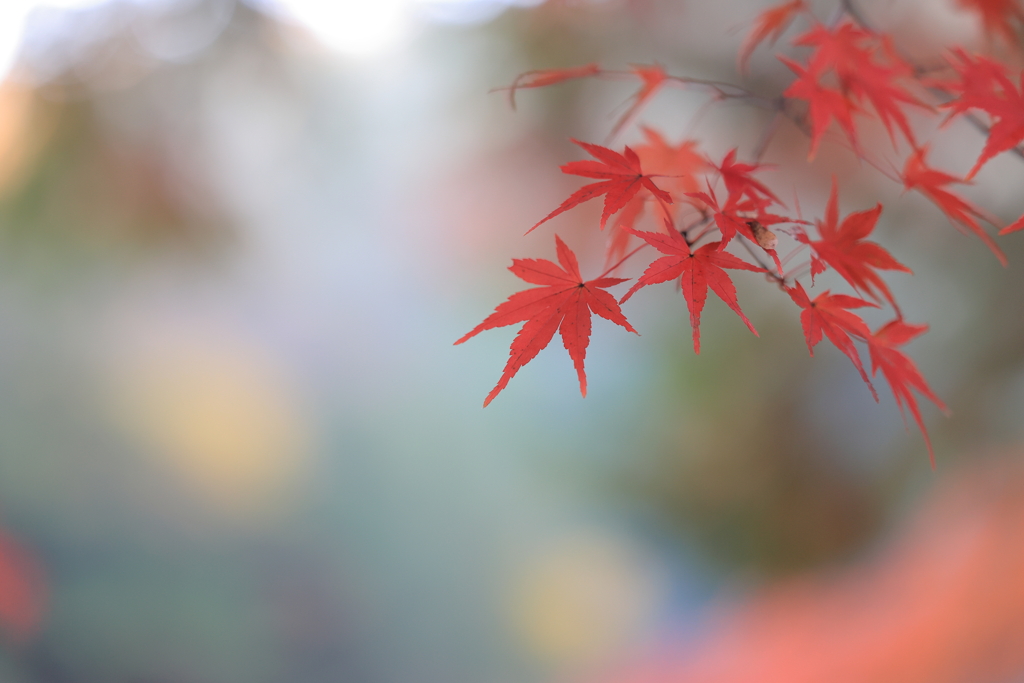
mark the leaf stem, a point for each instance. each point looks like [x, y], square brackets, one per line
[621, 261]
[769, 132]
[793, 253]
[705, 221]
[800, 271]
[767, 269]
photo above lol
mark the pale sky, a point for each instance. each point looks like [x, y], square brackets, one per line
[358, 28]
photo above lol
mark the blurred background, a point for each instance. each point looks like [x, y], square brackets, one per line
[237, 241]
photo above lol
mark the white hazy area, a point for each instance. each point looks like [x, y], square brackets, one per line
[355, 28]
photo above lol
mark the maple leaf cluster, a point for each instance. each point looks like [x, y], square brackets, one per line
[704, 208]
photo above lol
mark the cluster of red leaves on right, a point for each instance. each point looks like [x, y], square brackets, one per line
[866, 68]
[983, 84]
[849, 72]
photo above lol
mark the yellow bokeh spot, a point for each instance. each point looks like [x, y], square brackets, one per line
[585, 599]
[220, 414]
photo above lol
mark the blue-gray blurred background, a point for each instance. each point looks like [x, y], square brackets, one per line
[237, 445]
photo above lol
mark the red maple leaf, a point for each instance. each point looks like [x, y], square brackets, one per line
[541, 78]
[680, 165]
[867, 68]
[877, 84]
[828, 314]
[929, 182]
[621, 177]
[564, 304]
[769, 25]
[985, 85]
[844, 247]
[900, 371]
[997, 16]
[739, 180]
[824, 105]
[843, 48]
[696, 271]
[978, 79]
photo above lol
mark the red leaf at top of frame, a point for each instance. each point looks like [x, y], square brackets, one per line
[844, 247]
[858, 56]
[652, 77]
[985, 85]
[828, 313]
[769, 25]
[679, 164]
[996, 17]
[901, 373]
[867, 67]
[824, 105]
[621, 178]
[837, 47]
[878, 84]
[697, 271]
[542, 78]
[929, 182]
[563, 304]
